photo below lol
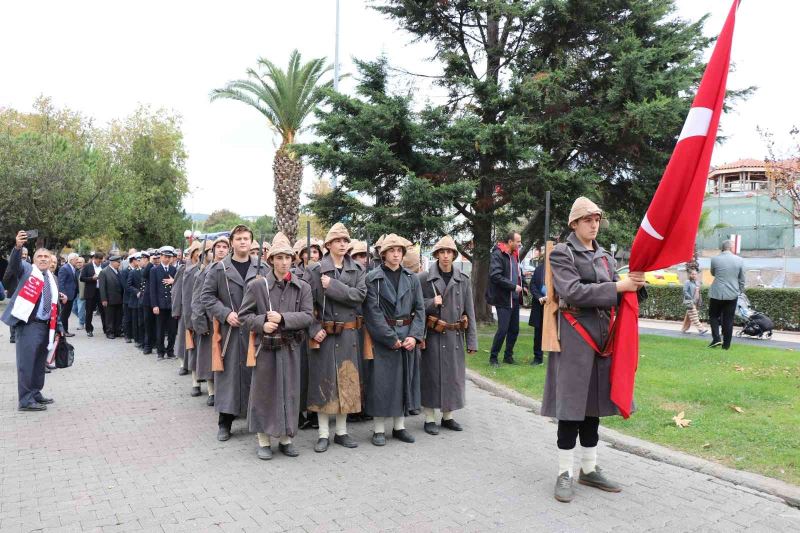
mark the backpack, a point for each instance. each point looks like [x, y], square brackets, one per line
[65, 354]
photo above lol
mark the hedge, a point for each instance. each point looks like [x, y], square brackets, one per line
[781, 305]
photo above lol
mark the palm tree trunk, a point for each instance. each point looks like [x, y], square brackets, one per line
[288, 179]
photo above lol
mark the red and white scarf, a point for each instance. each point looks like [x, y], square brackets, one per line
[29, 295]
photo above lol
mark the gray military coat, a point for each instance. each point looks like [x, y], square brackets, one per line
[187, 286]
[577, 382]
[201, 324]
[443, 372]
[274, 405]
[223, 290]
[393, 376]
[177, 311]
[334, 383]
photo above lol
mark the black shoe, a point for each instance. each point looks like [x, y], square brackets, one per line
[345, 440]
[509, 360]
[182, 371]
[35, 406]
[170, 356]
[264, 453]
[321, 446]
[210, 401]
[354, 417]
[195, 392]
[44, 401]
[493, 363]
[430, 428]
[12, 340]
[160, 356]
[47, 370]
[313, 419]
[147, 351]
[537, 362]
[413, 412]
[715, 344]
[452, 425]
[223, 434]
[112, 337]
[288, 450]
[140, 346]
[402, 435]
[303, 422]
[89, 334]
[68, 334]
[379, 439]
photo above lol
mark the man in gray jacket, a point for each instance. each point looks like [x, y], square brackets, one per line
[728, 271]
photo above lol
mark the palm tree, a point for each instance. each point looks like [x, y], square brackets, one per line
[705, 229]
[285, 98]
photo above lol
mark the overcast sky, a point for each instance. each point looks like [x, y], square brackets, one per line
[104, 58]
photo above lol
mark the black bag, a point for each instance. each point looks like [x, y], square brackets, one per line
[65, 354]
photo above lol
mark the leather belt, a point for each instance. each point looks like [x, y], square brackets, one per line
[335, 328]
[398, 323]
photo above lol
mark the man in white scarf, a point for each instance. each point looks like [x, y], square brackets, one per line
[33, 310]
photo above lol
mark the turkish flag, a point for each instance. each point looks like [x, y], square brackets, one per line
[669, 228]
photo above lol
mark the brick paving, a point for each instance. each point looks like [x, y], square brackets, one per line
[125, 448]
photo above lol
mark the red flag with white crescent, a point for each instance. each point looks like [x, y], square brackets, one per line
[669, 228]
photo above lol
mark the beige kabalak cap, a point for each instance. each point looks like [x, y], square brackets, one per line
[392, 240]
[379, 242]
[255, 245]
[196, 246]
[338, 231]
[280, 245]
[220, 239]
[411, 259]
[358, 247]
[445, 243]
[583, 207]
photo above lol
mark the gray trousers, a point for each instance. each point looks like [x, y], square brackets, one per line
[31, 358]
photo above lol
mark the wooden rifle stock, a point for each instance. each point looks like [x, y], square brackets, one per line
[251, 349]
[550, 340]
[217, 364]
[368, 354]
[189, 339]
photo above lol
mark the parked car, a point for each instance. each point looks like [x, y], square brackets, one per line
[656, 277]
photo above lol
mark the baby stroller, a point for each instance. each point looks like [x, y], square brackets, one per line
[756, 324]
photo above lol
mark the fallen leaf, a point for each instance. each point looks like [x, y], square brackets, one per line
[707, 445]
[736, 408]
[680, 421]
[739, 368]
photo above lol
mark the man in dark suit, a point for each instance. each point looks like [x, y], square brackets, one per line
[160, 284]
[112, 292]
[538, 299]
[133, 282]
[91, 291]
[33, 315]
[68, 285]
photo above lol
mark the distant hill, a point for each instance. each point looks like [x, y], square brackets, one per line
[198, 217]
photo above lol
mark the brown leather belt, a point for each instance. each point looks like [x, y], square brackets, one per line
[399, 323]
[335, 328]
[437, 324]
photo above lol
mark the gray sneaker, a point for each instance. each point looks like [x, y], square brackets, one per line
[564, 489]
[598, 480]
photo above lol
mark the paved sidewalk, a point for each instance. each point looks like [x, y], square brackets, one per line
[125, 448]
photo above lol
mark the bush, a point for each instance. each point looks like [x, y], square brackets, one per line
[781, 305]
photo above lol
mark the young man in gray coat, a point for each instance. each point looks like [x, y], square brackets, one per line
[448, 304]
[334, 384]
[394, 312]
[222, 295]
[276, 310]
[577, 388]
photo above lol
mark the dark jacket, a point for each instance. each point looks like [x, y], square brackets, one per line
[160, 294]
[501, 291]
[91, 289]
[133, 286]
[112, 287]
[19, 271]
[537, 281]
[68, 281]
[144, 298]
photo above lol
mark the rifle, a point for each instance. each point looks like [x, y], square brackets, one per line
[550, 334]
[252, 353]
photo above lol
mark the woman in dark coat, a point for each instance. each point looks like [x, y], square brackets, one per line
[577, 389]
[278, 309]
[395, 318]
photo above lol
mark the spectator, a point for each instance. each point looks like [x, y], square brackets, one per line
[10, 283]
[79, 305]
[538, 299]
[35, 318]
[692, 300]
[90, 275]
[504, 292]
[68, 284]
[112, 292]
[728, 271]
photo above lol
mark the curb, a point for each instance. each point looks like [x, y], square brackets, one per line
[789, 494]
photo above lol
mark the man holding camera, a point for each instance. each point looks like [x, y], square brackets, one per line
[33, 311]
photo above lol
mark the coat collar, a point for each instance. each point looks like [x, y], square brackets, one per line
[435, 277]
[295, 280]
[233, 274]
[578, 246]
[326, 264]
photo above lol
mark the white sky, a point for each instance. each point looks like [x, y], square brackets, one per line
[103, 58]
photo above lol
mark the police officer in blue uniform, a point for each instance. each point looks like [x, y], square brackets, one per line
[160, 285]
[147, 306]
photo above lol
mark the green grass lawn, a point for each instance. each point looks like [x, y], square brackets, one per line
[677, 374]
